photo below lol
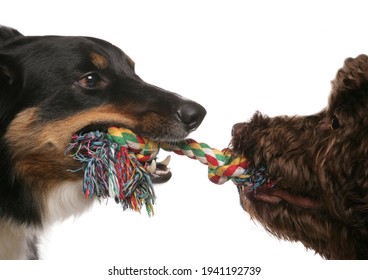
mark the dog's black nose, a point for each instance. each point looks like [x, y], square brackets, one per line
[191, 114]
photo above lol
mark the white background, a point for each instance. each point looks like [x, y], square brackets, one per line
[233, 57]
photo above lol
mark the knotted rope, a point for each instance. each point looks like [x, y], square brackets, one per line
[115, 165]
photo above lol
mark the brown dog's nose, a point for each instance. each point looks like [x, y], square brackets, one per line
[191, 114]
[237, 128]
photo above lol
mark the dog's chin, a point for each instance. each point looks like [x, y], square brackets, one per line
[277, 195]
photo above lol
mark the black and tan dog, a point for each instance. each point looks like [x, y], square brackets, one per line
[50, 88]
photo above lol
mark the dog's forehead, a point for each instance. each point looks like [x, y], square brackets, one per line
[73, 49]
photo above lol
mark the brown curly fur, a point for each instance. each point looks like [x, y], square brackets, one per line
[321, 165]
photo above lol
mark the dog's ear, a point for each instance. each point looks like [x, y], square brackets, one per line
[6, 77]
[7, 33]
[8, 87]
[350, 84]
[6, 74]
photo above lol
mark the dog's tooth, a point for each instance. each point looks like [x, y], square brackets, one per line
[152, 167]
[166, 161]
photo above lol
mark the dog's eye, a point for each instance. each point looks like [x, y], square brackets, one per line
[335, 124]
[91, 81]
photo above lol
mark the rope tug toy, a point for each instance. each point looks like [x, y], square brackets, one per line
[117, 164]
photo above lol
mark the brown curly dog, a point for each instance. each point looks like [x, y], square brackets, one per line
[320, 164]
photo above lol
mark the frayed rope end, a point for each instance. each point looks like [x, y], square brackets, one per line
[111, 170]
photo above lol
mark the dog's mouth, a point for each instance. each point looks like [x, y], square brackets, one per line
[158, 171]
[275, 195]
[270, 192]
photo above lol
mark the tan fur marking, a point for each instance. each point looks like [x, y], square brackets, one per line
[38, 148]
[99, 61]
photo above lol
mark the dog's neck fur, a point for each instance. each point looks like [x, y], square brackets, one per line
[19, 241]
